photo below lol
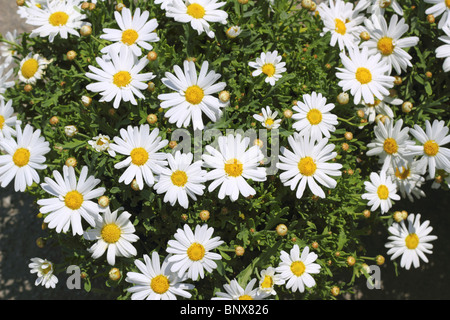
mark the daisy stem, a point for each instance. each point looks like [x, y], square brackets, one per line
[368, 258]
[11, 43]
[98, 40]
[348, 122]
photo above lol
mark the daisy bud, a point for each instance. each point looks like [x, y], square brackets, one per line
[335, 291]
[239, 251]
[86, 30]
[366, 213]
[91, 6]
[27, 88]
[398, 80]
[54, 120]
[348, 135]
[150, 86]
[134, 185]
[294, 102]
[243, 1]
[428, 74]
[86, 101]
[204, 215]
[385, 3]
[103, 201]
[233, 32]
[258, 142]
[351, 261]
[40, 242]
[224, 96]
[120, 6]
[345, 146]
[281, 230]
[85, 5]
[328, 66]
[438, 179]
[364, 36]
[315, 245]
[407, 107]
[313, 6]
[184, 217]
[152, 55]
[398, 216]
[343, 98]
[360, 113]
[287, 113]
[430, 18]
[405, 214]
[20, 2]
[172, 144]
[112, 111]
[70, 131]
[44, 226]
[71, 162]
[306, 4]
[152, 118]
[379, 259]
[193, 59]
[71, 55]
[114, 274]
[39, 215]
[379, 118]
[83, 275]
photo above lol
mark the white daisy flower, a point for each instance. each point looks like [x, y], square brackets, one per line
[192, 96]
[32, 68]
[182, 179]
[380, 191]
[102, 143]
[24, 156]
[364, 75]
[307, 164]
[192, 251]
[378, 7]
[71, 201]
[442, 177]
[296, 268]
[443, 51]
[270, 64]
[70, 130]
[233, 31]
[9, 49]
[136, 31]
[379, 107]
[234, 291]
[199, 13]
[268, 281]
[387, 40]
[44, 270]
[430, 149]
[390, 144]
[156, 281]
[5, 83]
[439, 7]
[232, 164]
[313, 117]
[342, 21]
[114, 234]
[7, 121]
[61, 17]
[164, 3]
[22, 11]
[143, 159]
[119, 77]
[408, 177]
[410, 241]
[267, 118]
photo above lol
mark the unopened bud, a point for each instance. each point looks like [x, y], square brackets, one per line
[86, 30]
[407, 107]
[224, 96]
[71, 162]
[114, 274]
[71, 55]
[281, 230]
[152, 56]
[335, 291]
[239, 250]
[204, 215]
[152, 118]
[54, 120]
[351, 261]
[343, 98]
[380, 260]
[103, 201]
[364, 36]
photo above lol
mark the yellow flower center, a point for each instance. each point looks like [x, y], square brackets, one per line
[233, 167]
[179, 178]
[139, 156]
[58, 19]
[383, 192]
[298, 268]
[340, 26]
[431, 148]
[412, 241]
[73, 200]
[307, 166]
[403, 174]
[363, 75]
[447, 3]
[390, 146]
[268, 69]
[374, 104]
[122, 79]
[386, 46]
[245, 297]
[129, 36]
[194, 94]
[46, 268]
[314, 116]
[29, 68]
[385, 3]
[111, 233]
[267, 282]
[196, 251]
[160, 284]
[2, 122]
[196, 11]
[21, 157]
[268, 122]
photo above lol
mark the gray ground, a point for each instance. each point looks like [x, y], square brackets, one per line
[19, 229]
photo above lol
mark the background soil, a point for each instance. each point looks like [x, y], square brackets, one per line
[19, 229]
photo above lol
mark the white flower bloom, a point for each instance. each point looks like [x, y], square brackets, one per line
[379, 107]
[364, 75]
[192, 96]
[387, 40]
[232, 164]
[22, 11]
[408, 177]
[313, 116]
[24, 156]
[307, 165]
[32, 68]
[380, 191]
[70, 130]
[9, 50]
[268, 280]
[7, 121]
[102, 143]
[296, 268]
[119, 77]
[164, 3]
[5, 83]
[233, 32]
[268, 118]
[270, 64]
[114, 235]
[136, 31]
[192, 251]
[378, 7]
[182, 179]
[443, 51]
[199, 13]
[143, 159]
[71, 201]
[156, 281]
[439, 7]
[234, 291]
[44, 270]
[410, 241]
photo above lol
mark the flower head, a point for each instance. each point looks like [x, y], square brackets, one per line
[270, 64]
[44, 270]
